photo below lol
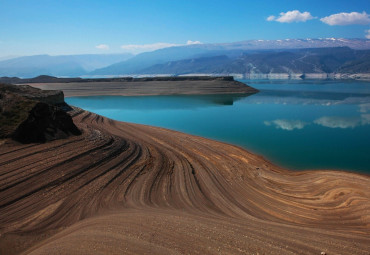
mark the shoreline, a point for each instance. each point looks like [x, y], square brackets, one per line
[250, 151]
[119, 88]
[257, 154]
[171, 179]
[148, 88]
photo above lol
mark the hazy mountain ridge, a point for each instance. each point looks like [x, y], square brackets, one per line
[253, 56]
[322, 60]
[358, 44]
[148, 59]
[64, 65]
[144, 62]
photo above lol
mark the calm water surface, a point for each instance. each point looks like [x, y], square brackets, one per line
[299, 125]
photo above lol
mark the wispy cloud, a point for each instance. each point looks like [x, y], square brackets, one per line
[367, 34]
[138, 48]
[288, 125]
[102, 47]
[345, 18]
[193, 42]
[147, 47]
[291, 16]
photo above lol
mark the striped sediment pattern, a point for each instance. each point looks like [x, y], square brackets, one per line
[128, 188]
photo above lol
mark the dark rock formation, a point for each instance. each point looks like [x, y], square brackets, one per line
[54, 97]
[33, 115]
[45, 122]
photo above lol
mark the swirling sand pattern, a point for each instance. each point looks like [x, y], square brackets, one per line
[128, 188]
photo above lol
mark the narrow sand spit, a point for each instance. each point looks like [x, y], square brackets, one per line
[148, 88]
[127, 188]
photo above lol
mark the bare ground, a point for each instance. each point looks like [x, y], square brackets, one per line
[132, 189]
[147, 88]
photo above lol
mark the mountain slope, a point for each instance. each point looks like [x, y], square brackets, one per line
[322, 60]
[126, 64]
[147, 59]
[141, 62]
[68, 65]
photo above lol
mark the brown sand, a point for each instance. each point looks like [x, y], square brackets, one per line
[147, 88]
[124, 188]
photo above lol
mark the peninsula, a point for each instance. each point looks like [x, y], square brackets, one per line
[128, 86]
[121, 188]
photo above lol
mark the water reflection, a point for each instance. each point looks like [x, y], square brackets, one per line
[325, 121]
[299, 126]
[156, 102]
[364, 108]
[304, 97]
[286, 124]
[312, 92]
[343, 122]
[338, 122]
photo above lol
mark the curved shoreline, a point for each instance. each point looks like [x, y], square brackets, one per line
[129, 188]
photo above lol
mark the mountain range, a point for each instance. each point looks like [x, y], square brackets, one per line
[287, 56]
[317, 60]
[64, 65]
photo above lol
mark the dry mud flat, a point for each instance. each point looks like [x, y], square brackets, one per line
[127, 188]
[147, 88]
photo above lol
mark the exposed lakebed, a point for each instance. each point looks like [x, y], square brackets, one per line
[295, 124]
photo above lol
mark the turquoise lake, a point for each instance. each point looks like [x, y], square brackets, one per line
[295, 124]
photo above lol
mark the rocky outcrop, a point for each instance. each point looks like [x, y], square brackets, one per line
[45, 122]
[31, 115]
[54, 97]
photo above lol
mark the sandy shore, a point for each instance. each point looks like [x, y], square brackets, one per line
[147, 88]
[132, 189]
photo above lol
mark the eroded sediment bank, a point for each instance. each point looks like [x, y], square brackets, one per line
[127, 188]
[145, 86]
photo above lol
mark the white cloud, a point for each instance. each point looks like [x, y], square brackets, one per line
[345, 18]
[138, 48]
[367, 35]
[291, 16]
[147, 47]
[102, 47]
[286, 124]
[189, 42]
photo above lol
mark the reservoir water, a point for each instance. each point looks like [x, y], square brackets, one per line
[295, 124]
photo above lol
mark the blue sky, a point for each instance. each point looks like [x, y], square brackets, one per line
[29, 27]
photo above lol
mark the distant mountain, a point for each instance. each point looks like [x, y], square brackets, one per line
[147, 59]
[359, 44]
[360, 65]
[298, 61]
[142, 62]
[247, 56]
[214, 64]
[8, 57]
[65, 65]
